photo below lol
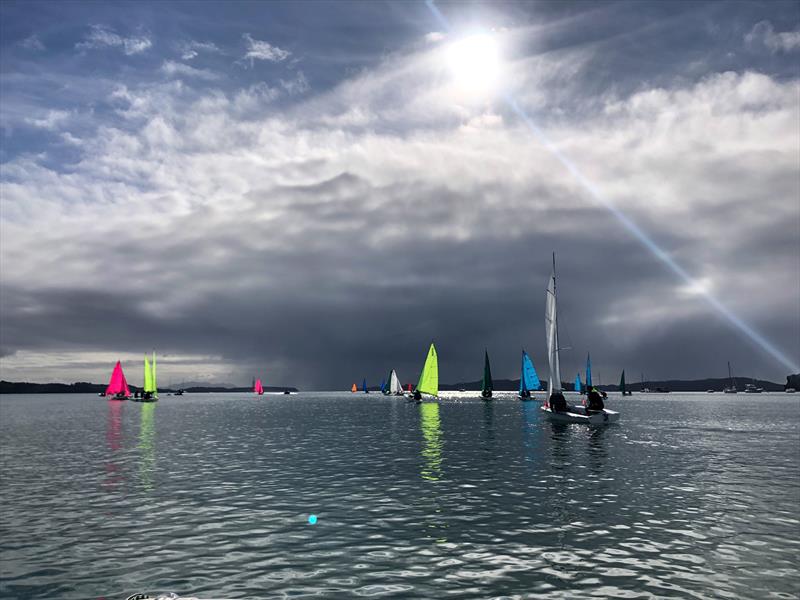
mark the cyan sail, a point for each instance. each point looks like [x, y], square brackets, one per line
[529, 380]
[578, 385]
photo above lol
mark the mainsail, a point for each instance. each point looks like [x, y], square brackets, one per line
[578, 385]
[429, 378]
[150, 386]
[622, 383]
[394, 383]
[528, 380]
[588, 372]
[486, 388]
[117, 384]
[551, 327]
[354, 389]
[258, 388]
[364, 386]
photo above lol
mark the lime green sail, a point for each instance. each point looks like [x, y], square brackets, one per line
[153, 376]
[148, 376]
[429, 379]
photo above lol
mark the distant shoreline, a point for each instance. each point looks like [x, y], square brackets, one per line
[83, 387]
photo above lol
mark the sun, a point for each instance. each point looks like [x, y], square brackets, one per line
[475, 63]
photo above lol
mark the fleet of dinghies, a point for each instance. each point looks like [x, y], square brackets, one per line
[591, 411]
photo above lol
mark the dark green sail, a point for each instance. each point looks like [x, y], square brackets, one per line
[486, 390]
[622, 384]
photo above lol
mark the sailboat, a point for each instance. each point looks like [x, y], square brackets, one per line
[429, 378]
[383, 385]
[258, 388]
[150, 389]
[588, 373]
[118, 387]
[731, 389]
[556, 405]
[578, 384]
[528, 379]
[625, 391]
[394, 388]
[486, 387]
[364, 386]
[354, 389]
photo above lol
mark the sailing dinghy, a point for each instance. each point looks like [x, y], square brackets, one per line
[528, 379]
[622, 388]
[394, 388]
[149, 389]
[556, 405]
[258, 388]
[118, 387]
[486, 387]
[364, 386]
[429, 378]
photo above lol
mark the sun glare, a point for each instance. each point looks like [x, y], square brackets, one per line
[475, 63]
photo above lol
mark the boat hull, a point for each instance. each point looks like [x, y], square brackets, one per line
[579, 416]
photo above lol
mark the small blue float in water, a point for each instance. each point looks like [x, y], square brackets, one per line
[312, 519]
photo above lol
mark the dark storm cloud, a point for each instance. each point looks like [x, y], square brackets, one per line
[319, 235]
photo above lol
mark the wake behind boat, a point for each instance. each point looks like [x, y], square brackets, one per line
[556, 405]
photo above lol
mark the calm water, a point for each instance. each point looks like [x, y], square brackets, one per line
[209, 495]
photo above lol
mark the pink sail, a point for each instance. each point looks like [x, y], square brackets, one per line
[258, 389]
[118, 385]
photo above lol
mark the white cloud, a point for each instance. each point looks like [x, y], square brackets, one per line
[261, 50]
[434, 36]
[52, 120]
[101, 36]
[173, 68]
[32, 42]
[192, 48]
[297, 85]
[764, 35]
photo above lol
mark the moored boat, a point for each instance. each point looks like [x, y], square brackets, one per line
[731, 389]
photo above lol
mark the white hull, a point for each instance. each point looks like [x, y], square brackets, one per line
[577, 414]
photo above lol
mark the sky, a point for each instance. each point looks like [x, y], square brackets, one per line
[312, 192]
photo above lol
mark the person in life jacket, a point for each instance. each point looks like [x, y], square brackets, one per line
[558, 403]
[594, 401]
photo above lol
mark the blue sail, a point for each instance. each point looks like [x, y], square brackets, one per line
[578, 386]
[529, 380]
[588, 372]
[383, 384]
[364, 385]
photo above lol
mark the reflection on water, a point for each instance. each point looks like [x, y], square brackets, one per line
[598, 449]
[432, 434]
[114, 443]
[530, 415]
[147, 434]
[489, 449]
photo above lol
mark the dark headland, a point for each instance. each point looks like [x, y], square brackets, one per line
[82, 387]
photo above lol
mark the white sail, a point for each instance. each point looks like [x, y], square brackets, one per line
[394, 383]
[551, 328]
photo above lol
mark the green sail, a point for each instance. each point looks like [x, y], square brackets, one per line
[429, 379]
[487, 374]
[153, 377]
[148, 376]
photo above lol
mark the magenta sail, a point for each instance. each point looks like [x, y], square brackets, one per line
[258, 389]
[118, 387]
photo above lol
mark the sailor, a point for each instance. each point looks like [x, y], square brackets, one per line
[594, 401]
[558, 403]
[417, 396]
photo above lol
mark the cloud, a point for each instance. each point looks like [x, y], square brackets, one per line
[173, 68]
[101, 36]
[32, 42]
[763, 35]
[191, 49]
[53, 120]
[297, 85]
[298, 238]
[260, 50]
[434, 36]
